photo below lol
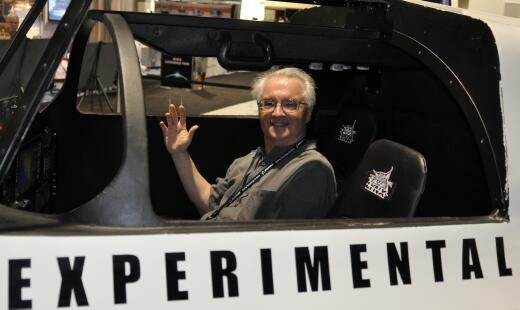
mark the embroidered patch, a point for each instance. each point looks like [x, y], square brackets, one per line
[379, 184]
[346, 133]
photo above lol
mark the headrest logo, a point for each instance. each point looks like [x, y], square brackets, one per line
[346, 133]
[379, 184]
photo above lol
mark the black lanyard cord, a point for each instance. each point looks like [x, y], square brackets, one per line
[255, 179]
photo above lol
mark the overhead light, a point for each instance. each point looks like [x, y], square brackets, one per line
[316, 66]
[339, 67]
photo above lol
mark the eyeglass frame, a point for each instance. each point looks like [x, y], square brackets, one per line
[281, 102]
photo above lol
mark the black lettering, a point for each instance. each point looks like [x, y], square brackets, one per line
[436, 246]
[397, 263]
[267, 271]
[470, 260]
[218, 272]
[120, 276]
[173, 275]
[16, 283]
[71, 281]
[503, 270]
[304, 263]
[358, 265]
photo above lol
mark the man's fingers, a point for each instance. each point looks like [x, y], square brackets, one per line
[173, 113]
[182, 116]
[164, 128]
[169, 119]
[191, 133]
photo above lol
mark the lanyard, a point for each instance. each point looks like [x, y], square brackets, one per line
[256, 178]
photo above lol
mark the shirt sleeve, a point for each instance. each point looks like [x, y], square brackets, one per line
[221, 185]
[309, 194]
[216, 192]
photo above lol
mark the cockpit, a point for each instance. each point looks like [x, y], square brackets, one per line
[411, 129]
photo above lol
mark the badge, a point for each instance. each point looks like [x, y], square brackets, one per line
[379, 184]
[346, 133]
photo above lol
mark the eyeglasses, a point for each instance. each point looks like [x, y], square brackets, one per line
[288, 105]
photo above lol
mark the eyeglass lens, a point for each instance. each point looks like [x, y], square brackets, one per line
[270, 104]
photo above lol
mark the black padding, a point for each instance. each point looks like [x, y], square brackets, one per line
[344, 138]
[384, 160]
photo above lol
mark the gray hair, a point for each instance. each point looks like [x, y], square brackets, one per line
[309, 87]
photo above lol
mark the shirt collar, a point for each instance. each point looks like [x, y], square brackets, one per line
[277, 151]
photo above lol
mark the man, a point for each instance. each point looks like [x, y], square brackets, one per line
[287, 178]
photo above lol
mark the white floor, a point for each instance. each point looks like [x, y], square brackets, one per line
[248, 109]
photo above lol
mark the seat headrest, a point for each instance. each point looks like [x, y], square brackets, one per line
[388, 183]
[344, 137]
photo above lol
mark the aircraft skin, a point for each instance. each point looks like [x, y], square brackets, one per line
[445, 264]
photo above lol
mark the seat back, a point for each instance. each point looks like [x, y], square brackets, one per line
[388, 182]
[344, 138]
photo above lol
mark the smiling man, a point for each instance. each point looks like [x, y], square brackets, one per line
[287, 178]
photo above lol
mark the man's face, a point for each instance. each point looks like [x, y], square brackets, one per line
[281, 127]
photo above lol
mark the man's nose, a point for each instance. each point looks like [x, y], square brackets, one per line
[278, 110]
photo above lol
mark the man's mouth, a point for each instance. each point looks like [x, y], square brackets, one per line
[278, 124]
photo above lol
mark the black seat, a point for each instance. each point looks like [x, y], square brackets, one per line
[388, 183]
[344, 138]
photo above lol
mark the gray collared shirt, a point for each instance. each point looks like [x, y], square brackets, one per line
[302, 186]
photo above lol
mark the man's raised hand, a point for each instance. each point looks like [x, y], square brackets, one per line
[177, 138]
